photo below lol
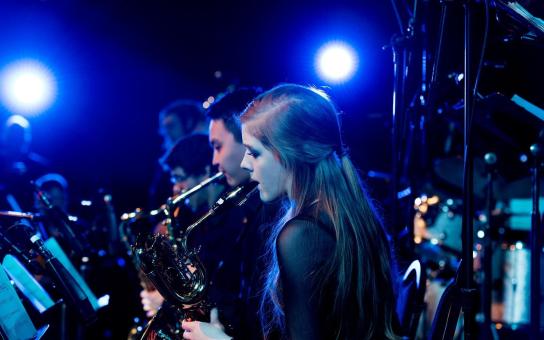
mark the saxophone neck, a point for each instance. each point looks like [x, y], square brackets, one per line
[236, 197]
[180, 198]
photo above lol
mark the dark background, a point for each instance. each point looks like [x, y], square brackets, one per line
[117, 63]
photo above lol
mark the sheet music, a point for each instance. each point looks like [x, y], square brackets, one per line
[14, 320]
[52, 245]
[528, 106]
[535, 21]
[26, 283]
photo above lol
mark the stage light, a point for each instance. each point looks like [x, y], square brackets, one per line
[27, 87]
[336, 62]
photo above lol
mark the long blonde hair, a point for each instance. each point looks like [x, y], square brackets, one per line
[301, 126]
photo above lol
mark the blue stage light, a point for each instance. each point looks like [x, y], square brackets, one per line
[27, 87]
[336, 62]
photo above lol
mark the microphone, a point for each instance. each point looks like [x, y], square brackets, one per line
[62, 218]
[70, 289]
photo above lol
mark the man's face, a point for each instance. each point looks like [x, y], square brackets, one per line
[182, 182]
[227, 153]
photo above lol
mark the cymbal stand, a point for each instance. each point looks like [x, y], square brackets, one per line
[404, 120]
[486, 286]
[536, 243]
[467, 289]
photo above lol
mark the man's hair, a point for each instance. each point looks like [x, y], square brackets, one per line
[230, 105]
[50, 181]
[189, 112]
[192, 153]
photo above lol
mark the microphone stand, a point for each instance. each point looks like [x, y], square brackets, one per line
[64, 222]
[402, 47]
[486, 291]
[536, 243]
[468, 291]
[70, 289]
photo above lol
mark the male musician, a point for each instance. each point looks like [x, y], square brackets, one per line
[228, 151]
[178, 119]
[18, 164]
[226, 136]
[188, 162]
[71, 233]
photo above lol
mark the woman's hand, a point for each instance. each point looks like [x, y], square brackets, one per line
[196, 330]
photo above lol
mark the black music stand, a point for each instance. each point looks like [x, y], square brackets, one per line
[410, 302]
[448, 310]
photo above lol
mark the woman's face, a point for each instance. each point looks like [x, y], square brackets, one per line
[265, 168]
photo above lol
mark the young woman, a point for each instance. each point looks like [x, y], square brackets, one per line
[331, 270]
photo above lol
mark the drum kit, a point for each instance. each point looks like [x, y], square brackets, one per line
[470, 159]
[502, 224]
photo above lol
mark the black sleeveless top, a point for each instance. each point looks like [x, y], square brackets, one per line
[304, 246]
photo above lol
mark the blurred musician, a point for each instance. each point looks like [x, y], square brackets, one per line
[178, 119]
[55, 221]
[189, 163]
[18, 164]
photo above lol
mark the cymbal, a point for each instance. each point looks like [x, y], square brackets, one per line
[450, 171]
[520, 188]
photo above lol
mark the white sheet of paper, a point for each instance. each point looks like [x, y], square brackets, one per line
[52, 245]
[14, 320]
[27, 284]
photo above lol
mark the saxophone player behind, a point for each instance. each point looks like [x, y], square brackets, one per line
[189, 164]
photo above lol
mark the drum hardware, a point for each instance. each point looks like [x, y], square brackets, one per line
[536, 237]
[490, 160]
[438, 221]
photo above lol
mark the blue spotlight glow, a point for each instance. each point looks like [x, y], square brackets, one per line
[27, 87]
[336, 62]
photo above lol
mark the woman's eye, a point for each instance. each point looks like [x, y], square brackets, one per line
[251, 153]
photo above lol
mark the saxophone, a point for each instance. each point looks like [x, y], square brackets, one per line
[176, 271]
[137, 226]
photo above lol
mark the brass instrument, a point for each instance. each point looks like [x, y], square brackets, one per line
[137, 222]
[177, 272]
[138, 225]
[173, 223]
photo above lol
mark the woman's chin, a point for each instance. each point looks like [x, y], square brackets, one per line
[265, 196]
[262, 195]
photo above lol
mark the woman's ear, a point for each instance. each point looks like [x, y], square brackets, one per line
[277, 156]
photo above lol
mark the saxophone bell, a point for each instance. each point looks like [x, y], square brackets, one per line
[177, 272]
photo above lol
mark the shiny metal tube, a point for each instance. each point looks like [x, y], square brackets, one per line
[172, 201]
[17, 214]
[173, 223]
[237, 197]
[177, 272]
[196, 188]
